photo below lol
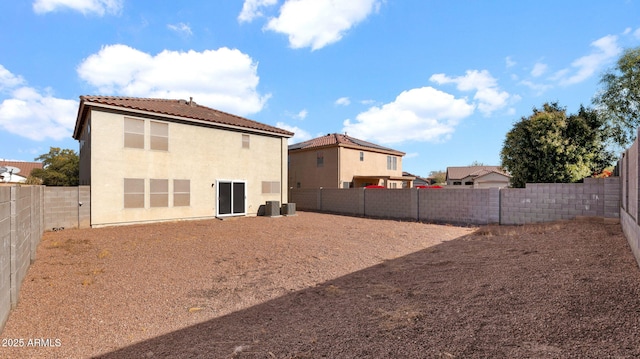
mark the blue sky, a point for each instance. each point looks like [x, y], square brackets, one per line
[442, 81]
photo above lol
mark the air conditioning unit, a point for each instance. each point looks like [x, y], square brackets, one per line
[288, 209]
[272, 209]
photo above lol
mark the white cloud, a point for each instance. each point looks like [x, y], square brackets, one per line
[605, 49]
[28, 113]
[302, 114]
[318, 23]
[509, 62]
[251, 9]
[637, 33]
[98, 7]
[181, 28]
[300, 135]
[9, 80]
[343, 101]
[539, 69]
[488, 96]
[225, 79]
[420, 114]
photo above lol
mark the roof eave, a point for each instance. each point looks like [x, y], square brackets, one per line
[181, 118]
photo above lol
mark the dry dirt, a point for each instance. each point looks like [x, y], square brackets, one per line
[318, 285]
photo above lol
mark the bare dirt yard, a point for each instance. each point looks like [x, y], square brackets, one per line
[327, 286]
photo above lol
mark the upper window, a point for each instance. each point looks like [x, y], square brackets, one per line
[361, 156]
[159, 139]
[320, 159]
[457, 183]
[133, 133]
[468, 183]
[392, 162]
[246, 141]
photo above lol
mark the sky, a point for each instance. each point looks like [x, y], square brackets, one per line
[442, 81]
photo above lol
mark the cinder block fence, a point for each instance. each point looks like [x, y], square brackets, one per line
[21, 227]
[596, 197]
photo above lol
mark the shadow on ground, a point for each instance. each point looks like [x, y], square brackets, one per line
[540, 292]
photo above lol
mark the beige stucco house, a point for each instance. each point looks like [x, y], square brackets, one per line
[156, 160]
[341, 161]
[477, 177]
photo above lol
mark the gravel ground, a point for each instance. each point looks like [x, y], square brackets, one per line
[318, 285]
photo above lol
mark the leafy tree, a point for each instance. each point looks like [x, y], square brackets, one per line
[477, 163]
[619, 99]
[551, 147]
[439, 177]
[61, 167]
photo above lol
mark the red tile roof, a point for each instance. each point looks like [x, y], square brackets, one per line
[25, 167]
[340, 140]
[179, 108]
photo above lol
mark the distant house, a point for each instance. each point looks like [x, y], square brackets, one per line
[17, 171]
[157, 160]
[418, 181]
[341, 161]
[477, 177]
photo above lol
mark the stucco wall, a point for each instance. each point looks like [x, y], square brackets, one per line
[199, 154]
[303, 169]
[630, 216]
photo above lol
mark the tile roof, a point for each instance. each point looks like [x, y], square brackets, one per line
[179, 108]
[457, 173]
[337, 140]
[25, 167]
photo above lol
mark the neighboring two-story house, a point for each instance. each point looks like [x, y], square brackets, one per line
[341, 161]
[477, 177]
[156, 159]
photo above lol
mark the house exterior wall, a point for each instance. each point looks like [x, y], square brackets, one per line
[491, 180]
[304, 171]
[85, 154]
[340, 165]
[199, 154]
[373, 163]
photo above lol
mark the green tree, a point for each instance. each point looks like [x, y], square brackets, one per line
[439, 177]
[551, 147]
[619, 99]
[61, 167]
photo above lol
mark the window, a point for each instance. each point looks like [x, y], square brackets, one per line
[246, 141]
[270, 187]
[468, 183]
[159, 193]
[361, 156]
[159, 137]
[133, 133]
[133, 193]
[320, 159]
[298, 185]
[457, 183]
[346, 184]
[181, 193]
[394, 185]
[392, 163]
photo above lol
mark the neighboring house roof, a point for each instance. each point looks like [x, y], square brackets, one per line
[177, 109]
[417, 178]
[340, 140]
[458, 173]
[25, 167]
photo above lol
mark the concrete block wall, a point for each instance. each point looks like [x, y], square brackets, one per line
[465, 206]
[629, 166]
[305, 199]
[21, 219]
[346, 201]
[63, 209]
[397, 203]
[545, 202]
[5, 254]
